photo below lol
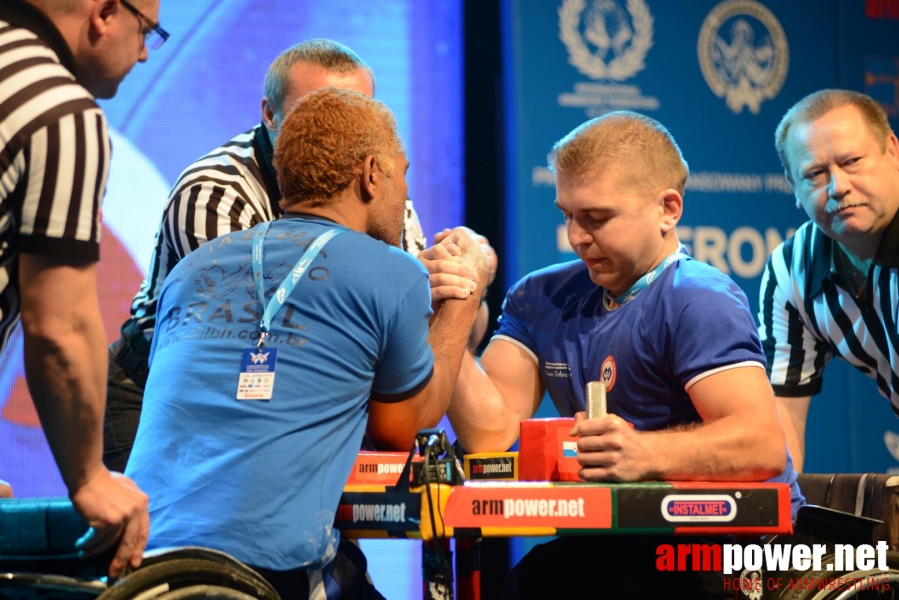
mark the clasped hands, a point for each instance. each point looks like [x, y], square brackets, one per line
[461, 263]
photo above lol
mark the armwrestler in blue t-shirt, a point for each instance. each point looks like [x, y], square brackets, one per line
[237, 462]
[672, 339]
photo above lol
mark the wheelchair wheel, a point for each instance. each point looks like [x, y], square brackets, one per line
[164, 578]
[207, 592]
[36, 586]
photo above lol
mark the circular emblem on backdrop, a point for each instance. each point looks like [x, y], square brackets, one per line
[608, 372]
[743, 54]
[604, 40]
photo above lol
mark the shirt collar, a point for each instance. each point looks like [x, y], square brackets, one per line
[264, 150]
[822, 250]
[820, 256]
[888, 253]
[22, 14]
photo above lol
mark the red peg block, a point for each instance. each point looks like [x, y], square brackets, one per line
[546, 452]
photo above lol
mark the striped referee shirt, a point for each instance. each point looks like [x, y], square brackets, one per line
[232, 188]
[54, 152]
[808, 316]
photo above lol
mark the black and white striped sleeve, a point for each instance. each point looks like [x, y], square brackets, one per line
[194, 214]
[203, 211]
[796, 356]
[221, 192]
[414, 240]
[65, 164]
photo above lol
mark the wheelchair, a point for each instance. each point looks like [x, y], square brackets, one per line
[37, 562]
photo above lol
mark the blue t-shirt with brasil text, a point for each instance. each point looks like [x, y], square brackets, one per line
[261, 479]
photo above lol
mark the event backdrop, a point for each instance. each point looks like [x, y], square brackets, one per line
[203, 87]
[719, 75]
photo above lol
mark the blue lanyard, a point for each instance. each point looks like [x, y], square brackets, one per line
[290, 282]
[644, 281]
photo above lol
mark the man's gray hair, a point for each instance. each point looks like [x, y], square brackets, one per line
[328, 54]
[816, 105]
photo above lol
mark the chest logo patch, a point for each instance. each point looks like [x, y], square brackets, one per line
[608, 372]
[557, 370]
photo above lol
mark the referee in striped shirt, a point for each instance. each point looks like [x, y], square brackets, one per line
[56, 56]
[832, 290]
[231, 188]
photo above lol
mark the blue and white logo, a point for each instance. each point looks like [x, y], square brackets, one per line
[743, 54]
[604, 40]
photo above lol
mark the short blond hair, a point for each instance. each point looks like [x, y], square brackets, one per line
[641, 149]
[329, 55]
[816, 105]
[324, 140]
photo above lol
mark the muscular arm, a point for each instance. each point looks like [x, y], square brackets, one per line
[65, 359]
[740, 438]
[394, 425]
[480, 326]
[785, 334]
[793, 416]
[65, 365]
[491, 398]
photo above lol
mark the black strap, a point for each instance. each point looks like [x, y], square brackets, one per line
[132, 353]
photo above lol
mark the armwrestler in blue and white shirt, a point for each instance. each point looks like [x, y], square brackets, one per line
[673, 339]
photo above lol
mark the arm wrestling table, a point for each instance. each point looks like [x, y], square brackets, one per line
[380, 502]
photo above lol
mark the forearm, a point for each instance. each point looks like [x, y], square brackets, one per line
[796, 446]
[480, 327]
[448, 336]
[730, 449]
[393, 427]
[793, 413]
[65, 359]
[65, 364]
[480, 416]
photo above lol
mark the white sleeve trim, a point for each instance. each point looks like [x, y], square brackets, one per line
[701, 376]
[516, 343]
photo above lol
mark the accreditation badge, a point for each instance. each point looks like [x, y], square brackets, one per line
[257, 373]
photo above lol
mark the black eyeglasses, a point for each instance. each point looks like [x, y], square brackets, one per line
[156, 36]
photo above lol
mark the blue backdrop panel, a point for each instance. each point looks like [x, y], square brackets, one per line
[719, 75]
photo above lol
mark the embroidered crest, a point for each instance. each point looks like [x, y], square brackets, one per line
[743, 54]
